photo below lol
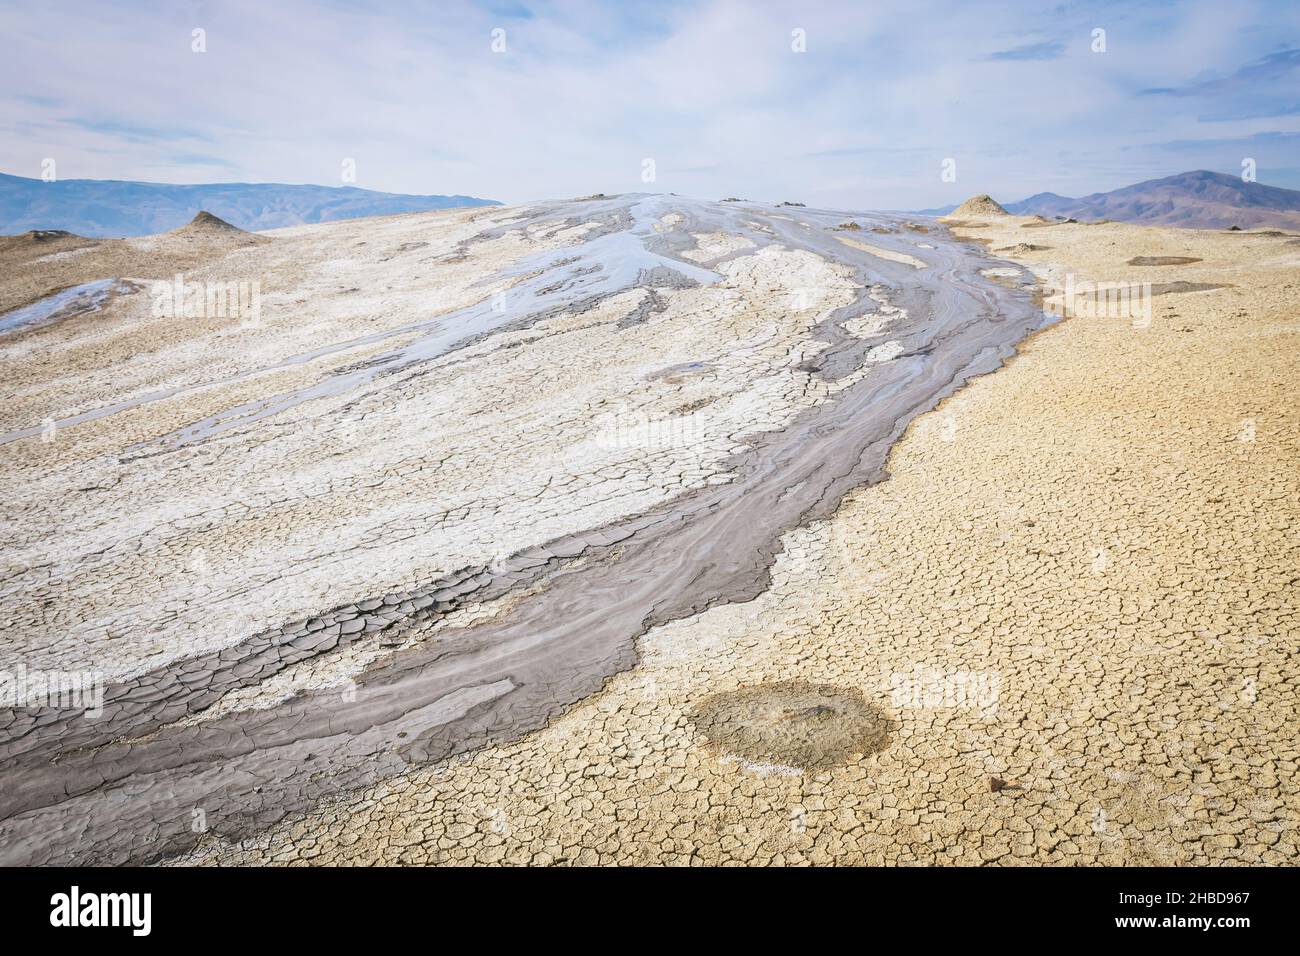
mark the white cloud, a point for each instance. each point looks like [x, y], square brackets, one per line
[712, 91]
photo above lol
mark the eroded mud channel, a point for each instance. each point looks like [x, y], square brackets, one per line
[920, 320]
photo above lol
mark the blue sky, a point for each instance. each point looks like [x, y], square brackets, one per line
[715, 93]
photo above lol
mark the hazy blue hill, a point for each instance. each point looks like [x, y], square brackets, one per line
[101, 208]
[1198, 200]
[1046, 205]
[1195, 200]
[936, 211]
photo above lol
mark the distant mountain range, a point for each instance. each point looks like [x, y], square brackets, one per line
[109, 208]
[1195, 200]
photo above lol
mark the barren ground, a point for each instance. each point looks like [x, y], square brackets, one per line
[1062, 631]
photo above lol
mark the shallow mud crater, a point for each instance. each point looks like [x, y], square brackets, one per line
[1173, 288]
[1162, 260]
[793, 724]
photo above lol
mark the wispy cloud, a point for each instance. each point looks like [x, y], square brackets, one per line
[871, 151]
[1261, 89]
[1046, 50]
[200, 159]
[1238, 143]
[136, 133]
[1252, 78]
[508, 9]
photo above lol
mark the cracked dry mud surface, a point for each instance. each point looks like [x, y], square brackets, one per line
[508, 598]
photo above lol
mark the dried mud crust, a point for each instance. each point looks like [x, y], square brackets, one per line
[1107, 526]
[1098, 539]
[645, 470]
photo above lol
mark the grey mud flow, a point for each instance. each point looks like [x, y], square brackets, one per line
[125, 788]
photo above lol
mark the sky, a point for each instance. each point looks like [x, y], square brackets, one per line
[859, 104]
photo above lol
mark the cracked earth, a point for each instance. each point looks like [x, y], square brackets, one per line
[645, 530]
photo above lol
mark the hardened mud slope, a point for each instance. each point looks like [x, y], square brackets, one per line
[789, 363]
[1063, 632]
